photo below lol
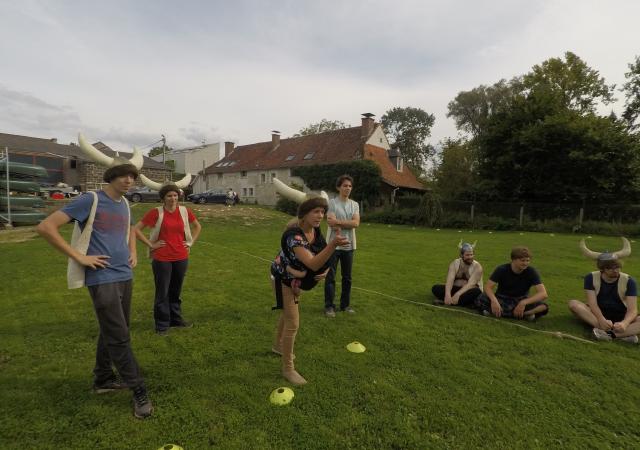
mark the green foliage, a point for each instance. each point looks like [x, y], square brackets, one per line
[365, 173]
[409, 129]
[158, 150]
[631, 89]
[456, 174]
[321, 127]
[429, 211]
[288, 206]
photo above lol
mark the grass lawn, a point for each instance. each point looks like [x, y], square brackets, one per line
[430, 378]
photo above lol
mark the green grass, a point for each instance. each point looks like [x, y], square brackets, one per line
[430, 378]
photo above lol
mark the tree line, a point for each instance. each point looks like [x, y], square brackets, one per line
[536, 137]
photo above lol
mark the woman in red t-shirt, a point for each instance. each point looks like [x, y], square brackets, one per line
[170, 241]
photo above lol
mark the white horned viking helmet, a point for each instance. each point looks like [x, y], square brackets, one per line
[465, 246]
[183, 183]
[602, 257]
[107, 161]
[294, 194]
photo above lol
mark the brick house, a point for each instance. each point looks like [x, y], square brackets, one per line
[250, 169]
[67, 163]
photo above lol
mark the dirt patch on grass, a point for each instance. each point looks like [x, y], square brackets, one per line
[245, 213]
[18, 234]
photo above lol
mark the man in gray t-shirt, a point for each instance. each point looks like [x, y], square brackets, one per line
[343, 217]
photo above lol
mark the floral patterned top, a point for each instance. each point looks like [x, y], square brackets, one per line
[292, 238]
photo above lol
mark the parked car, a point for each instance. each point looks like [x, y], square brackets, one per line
[142, 194]
[49, 189]
[210, 196]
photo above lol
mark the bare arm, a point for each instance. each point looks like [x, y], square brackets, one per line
[133, 251]
[451, 274]
[346, 224]
[195, 232]
[496, 309]
[471, 283]
[316, 262]
[592, 301]
[541, 294]
[49, 230]
[630, 316]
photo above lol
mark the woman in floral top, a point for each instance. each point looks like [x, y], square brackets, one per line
[303, 252]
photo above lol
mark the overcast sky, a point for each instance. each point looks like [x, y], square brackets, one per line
[125, 72]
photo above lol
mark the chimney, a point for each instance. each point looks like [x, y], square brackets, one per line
[228, 148]
[367, 124]
[275, 139]
[54, 140]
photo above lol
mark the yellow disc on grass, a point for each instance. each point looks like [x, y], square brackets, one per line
[281, 396]
[356, 347]
[170, 447]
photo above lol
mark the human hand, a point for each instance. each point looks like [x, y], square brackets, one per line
[455, 299]
[157, 244]
[518, 311]
[94, 261]
[332, 221]
[619, 327]
[496, 309]
[133, 260]
[447, 299]
[321, 276]
[605, 324]
[339, 240]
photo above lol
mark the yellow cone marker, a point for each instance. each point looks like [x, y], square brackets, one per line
[170, 447]
[281, 396]
[356, 347]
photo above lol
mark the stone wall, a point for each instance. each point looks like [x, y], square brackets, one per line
[90, 175]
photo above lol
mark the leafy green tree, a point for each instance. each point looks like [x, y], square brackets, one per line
[456, 174]
[579, 86]
[471, 109]
[158, 150]
[321, 127]
[631, 90]
[409, 129]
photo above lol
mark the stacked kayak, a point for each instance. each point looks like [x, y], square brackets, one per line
[21, 195]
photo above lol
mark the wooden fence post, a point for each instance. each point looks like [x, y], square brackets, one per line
[521, 215]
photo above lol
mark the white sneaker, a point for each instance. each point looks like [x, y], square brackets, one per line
[601, 335]
[633, 339]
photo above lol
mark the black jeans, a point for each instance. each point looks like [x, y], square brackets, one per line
[168, 276]
[112, 305]
[467, 299]
[346, 264]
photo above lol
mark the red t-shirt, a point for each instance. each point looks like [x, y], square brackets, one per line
[171, 232]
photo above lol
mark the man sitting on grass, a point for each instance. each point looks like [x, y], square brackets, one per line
[611, 307]
[464, 280]
[514, 280]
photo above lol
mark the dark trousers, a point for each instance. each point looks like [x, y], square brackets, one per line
[168, 276]
[508, 304]
[345, 257]
[467, 299]
[112, 304]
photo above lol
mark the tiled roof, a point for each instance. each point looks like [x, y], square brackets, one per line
[322, 148]
[390, 175]
[47, 146]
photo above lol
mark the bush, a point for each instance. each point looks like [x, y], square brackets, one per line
[288, 206]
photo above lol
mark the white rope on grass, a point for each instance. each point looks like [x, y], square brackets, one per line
[557, 334]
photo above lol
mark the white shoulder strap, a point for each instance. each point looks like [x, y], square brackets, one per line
[80, 242]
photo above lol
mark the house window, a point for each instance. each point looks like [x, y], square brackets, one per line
[250, 192]
[244, 192]
[243, 174]
[290, 157]
[263, 178]
[399, 164]
[219, 176]
[273, 175]
[73, 164]
[309, 155]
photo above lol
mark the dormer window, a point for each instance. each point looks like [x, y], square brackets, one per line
[290, 157]
[309, 155]
[399, 164]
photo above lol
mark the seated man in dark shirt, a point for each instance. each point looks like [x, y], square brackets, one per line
[512, 296]
[611, 307]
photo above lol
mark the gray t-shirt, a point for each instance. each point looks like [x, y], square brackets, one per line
[344, 211]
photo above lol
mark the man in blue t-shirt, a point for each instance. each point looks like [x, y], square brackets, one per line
[612, 297]
[108, 275]
[514, 280]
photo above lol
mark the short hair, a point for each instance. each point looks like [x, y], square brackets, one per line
[164, 190]
[520, 252]
[609, 264]
[341, 179]
[120, 171]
